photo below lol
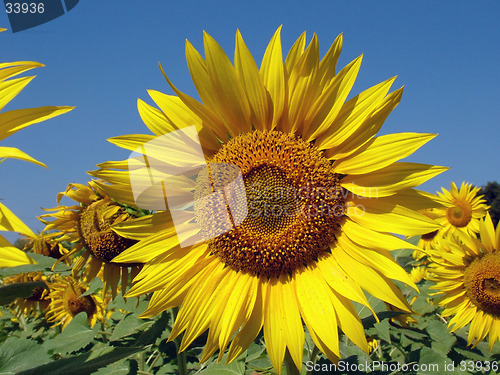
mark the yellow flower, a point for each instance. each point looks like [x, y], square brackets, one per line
[66, 301]
[11, 122]
[287, 128]
[89, 224]
[418, 273]
[467, 271]
[38, 301]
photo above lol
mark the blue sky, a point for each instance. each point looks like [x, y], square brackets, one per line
[103, 55]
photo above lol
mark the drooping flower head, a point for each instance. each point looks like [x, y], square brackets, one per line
[467, 272]
[89, 226]
[67, 301]
[289, 218]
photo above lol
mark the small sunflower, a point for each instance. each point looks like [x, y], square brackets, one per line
[467, 271]
[66, 301]
[333, 192]
[89, 226]
[47, 245]
[10, 123]
[37, 302]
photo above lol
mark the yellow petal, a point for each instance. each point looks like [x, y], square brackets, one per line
[316, 308]
[374, 283]
[12, 69]
[367, 129]
[15, 153]
[354, 113]
[386, 215]
[249, 76]
[12, 121]
[327, 106]
[273, 331]
[273, 76]
[11, 256]
[11, 223]
[251, 328]
[9, 89]
[302, 85]
[391, 179]
[381, 152]
[226, 87]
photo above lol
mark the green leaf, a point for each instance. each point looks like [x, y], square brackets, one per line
[43, 263]
[382, 330]
[9, 293]
[93, 287]
[75, 336]
[81, 364]
[19, 354]
[149, 336]
[431, 362]
[236, 367]
[128, 326]
[442, 339]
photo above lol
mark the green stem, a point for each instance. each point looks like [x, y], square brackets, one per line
[312, 358]
[291, 369]
[181, 356]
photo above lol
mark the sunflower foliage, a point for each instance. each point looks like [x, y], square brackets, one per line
[127, 344]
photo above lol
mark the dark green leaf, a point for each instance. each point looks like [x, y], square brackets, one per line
[9, 293]
[75, 336]
[128, 326]
[81, 364]
[19, 354]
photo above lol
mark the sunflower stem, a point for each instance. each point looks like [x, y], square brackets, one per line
[181, 356]
[291, 369]
[312, 358]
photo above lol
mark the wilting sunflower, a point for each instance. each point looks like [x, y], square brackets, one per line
[332, 189]
[37, 302]
[66, 301]
[11, 122]
[47, 245]
[89, 226]
[467, 271]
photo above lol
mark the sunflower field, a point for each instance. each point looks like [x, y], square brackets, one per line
[266, 228]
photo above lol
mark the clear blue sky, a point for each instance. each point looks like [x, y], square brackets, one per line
[103, 55]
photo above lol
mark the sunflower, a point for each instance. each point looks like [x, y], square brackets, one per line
[11, 122]
[322, 195]
[38, 301]
[47, 245]
[467, 271]
[89, 226]
[66, 301]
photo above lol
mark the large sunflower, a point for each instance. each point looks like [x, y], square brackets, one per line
[11, 122]
[67, 301]
[287, 128]
[467, 271]
[89, 226]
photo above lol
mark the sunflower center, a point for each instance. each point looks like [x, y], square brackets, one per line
[460, 215]
[429, 236]
[294, 205]
[77, 305]
[98, 237]
[482, 283]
